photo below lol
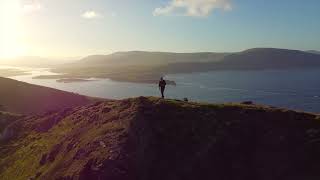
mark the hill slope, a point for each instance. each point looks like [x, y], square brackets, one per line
[150, 138]
[24, 98]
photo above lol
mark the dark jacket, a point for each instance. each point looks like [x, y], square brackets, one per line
[162, 83]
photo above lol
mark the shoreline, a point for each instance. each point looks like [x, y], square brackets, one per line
[71, 79]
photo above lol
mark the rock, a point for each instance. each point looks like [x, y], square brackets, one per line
[102, 144]
[43, 160]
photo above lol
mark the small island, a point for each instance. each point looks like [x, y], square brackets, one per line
[72, 80]
[69, 78]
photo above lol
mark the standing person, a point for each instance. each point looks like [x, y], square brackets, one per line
[162, 86]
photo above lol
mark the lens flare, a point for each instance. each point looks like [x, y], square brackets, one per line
[10, 29]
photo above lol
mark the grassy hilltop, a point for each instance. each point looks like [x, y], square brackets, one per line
[150, 138]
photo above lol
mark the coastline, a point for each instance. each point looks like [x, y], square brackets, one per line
[70, 79]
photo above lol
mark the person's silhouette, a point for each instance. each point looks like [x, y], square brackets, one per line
[162, 86]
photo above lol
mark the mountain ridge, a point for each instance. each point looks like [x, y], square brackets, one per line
[142, 57]
[150, 138]
[218, 55]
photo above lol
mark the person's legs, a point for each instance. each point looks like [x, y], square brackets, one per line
[162, 92]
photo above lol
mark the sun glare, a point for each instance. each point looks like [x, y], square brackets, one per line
[10, 29]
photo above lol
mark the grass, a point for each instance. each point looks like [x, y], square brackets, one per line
[160, 139]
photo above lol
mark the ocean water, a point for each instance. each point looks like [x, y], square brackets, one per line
[293, 89]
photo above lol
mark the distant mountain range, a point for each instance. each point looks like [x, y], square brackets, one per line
[139, 66]
[23, 98]
[252, 58]
[133, 58]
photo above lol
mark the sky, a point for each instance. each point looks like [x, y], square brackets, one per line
[72, 28]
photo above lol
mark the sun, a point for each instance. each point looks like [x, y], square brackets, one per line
[10, 29]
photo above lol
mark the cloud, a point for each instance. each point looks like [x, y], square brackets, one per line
[199, 8]
[91, 15]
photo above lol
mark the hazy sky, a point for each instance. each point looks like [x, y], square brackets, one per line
[82, 27]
